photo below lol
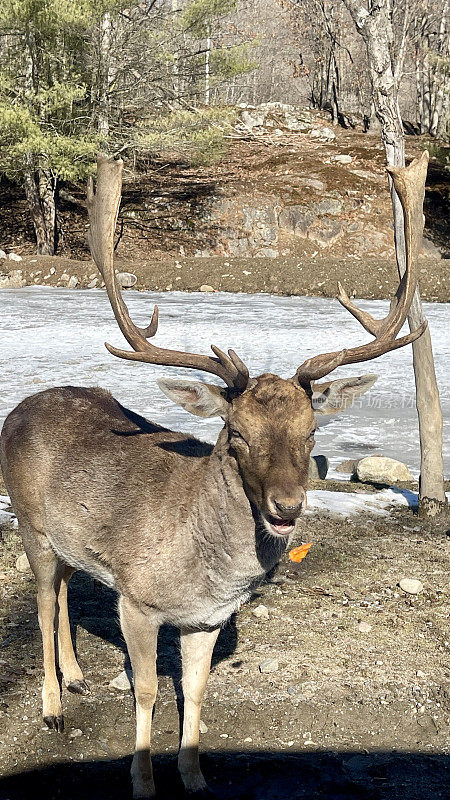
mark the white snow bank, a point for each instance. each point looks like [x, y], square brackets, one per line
[54, 337]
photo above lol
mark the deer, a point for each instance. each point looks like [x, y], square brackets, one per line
[183, 533]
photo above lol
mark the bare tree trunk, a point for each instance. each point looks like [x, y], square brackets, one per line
[376, 30]
[40, 194]
[104, 78]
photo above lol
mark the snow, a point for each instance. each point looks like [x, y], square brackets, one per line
[55, 337]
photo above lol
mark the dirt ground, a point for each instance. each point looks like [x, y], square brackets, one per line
[306, 274]
[345, 714]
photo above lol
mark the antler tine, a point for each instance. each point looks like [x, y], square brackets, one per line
[409, 184]
[103, 207]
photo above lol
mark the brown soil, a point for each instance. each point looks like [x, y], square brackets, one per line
[346, 715]
[302, 275]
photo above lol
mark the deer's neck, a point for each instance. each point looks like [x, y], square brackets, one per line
[241, 546]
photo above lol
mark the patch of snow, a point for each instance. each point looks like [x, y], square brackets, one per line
[54, 337]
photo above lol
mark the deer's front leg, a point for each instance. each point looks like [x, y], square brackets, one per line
[196, 651]
[141, 635]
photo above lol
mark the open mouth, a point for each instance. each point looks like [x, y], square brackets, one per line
[281, 527]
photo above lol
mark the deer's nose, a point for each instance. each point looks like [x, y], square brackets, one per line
[287, 509]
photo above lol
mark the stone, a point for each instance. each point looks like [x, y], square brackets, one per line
[252, 120]
[261, 611]
[121, 682]
[73, 282]
[325, 232]
[269, 665]
[52, 270]
[429, 249]
[65, 278]
[205, 287]
[14, 257]
[318, 468]
[75, 733]
[202, 727]
[22, 563]
[14, 280]
[92, 284]
[126, 279]
[296, 220]
[342, 159]
[323, 134]
[379, 469]
[349, 466]
[329, 205]
[364, 627]
[411, 585]
[2, 254]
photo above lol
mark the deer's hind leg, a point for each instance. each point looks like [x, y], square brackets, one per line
[44, 563]
[68, 664]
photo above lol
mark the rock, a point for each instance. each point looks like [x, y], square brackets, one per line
[73, 282]
[65, 278]
[420, 674]
[411, 585]
[348, 466]
[52, 270]
[325, 232]
[126, 279]
[202, 727]
[22, 563]
[14, 280]
[253, 120]
[2, 254]
[342, 159]
[329, 205]
[296, 220]
[14, 257]
[75, 733]
[261, 611]
[318, 468]
[379, 469]
[121, 682]
[364, 627]
[429, 249]
[92, 284]
[205, 287]
[323, 134]
[269, 665]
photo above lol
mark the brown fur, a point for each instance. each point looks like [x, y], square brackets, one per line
[181, 530]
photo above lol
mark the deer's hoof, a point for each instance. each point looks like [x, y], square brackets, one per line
[79, 687]
[55, 723]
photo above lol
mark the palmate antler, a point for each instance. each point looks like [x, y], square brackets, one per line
[103, 207]
[409, 183]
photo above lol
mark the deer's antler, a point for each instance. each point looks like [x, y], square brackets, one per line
[409, 183]
[103, 207]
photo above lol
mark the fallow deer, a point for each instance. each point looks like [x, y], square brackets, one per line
[183, 536]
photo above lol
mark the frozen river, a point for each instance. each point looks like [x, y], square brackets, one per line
[53, 337]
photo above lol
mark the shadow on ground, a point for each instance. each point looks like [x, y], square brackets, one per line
[247, 775]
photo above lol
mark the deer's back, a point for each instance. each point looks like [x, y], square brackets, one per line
[96, 478]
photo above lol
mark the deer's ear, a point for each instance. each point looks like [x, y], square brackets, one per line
[334, 396]
[201, 399]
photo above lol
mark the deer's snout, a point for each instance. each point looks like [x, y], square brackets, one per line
[286, 507]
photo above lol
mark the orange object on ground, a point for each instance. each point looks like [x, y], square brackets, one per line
[298, 553]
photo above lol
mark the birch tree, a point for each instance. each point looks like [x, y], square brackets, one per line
[373, 21]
